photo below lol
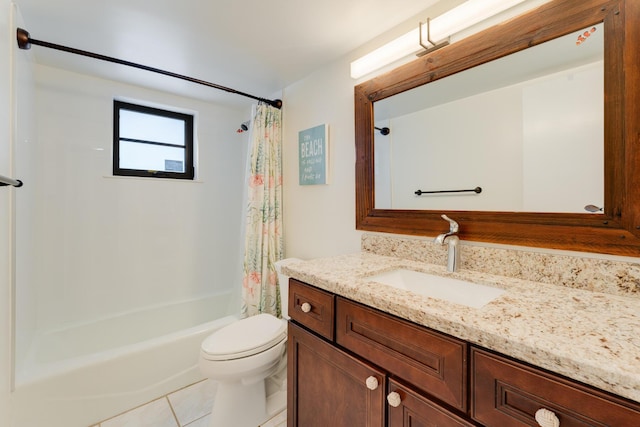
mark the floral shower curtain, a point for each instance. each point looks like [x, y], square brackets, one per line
[263, 235]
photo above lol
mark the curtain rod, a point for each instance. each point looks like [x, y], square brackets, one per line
[25, 42]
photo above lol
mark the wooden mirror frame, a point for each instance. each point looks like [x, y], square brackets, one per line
[615, 231]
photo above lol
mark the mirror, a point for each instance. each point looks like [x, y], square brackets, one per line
[615, 230]
[509, 127]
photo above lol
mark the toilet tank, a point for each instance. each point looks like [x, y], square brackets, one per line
[283, 281]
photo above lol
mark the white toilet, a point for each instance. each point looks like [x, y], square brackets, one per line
[247, 359]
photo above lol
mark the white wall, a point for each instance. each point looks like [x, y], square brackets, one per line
[24, 150]
[5, 209]
[105, 245]
[319, 220]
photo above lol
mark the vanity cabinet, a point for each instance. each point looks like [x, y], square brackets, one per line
[364, 370]
[351, 365]
[508, 393]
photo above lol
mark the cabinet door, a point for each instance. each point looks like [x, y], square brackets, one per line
[329, 388]
[506, 393]
[433, 362]
[408, 408]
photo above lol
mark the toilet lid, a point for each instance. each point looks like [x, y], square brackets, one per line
[244, 338]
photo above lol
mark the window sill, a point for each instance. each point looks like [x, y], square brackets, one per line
[144, 178]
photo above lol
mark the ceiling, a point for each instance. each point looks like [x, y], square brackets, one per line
[257, 47]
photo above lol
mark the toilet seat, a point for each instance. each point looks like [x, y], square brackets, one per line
[244, 338]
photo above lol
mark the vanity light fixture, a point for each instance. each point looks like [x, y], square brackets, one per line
[438, 29]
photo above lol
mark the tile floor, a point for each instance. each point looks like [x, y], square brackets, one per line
[187, 407]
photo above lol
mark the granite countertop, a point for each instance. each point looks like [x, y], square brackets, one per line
[592, 337]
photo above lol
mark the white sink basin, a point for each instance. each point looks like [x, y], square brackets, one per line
[444, 288]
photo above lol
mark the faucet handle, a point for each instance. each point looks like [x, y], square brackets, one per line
[453, 226]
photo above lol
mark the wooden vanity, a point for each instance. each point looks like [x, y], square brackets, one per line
[352, 365]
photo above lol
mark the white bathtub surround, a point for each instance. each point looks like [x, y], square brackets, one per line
[585, 335]
[56, 351]
[94, 251]
[78, 391]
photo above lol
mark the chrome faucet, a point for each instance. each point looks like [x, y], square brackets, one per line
[451, 238]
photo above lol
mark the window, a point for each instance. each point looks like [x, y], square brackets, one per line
[151, 142]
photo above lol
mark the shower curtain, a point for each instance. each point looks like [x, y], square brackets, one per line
[263, 233]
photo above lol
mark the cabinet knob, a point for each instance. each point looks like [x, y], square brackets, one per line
[372, 383]
[547, 418]
[305, 307]
[394, 399]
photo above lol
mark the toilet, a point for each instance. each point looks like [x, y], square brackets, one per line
[247, 360]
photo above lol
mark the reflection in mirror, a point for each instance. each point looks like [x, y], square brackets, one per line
[512, 126]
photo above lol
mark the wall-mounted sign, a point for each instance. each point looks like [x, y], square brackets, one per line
[313, 155]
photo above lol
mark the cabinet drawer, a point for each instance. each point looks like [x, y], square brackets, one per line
[433, 362]
[311, 307]
[506, 393]
[416, 410]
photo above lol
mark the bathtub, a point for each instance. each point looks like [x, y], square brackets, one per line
[95, 370]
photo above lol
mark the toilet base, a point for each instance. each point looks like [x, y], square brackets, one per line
[244, 405]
